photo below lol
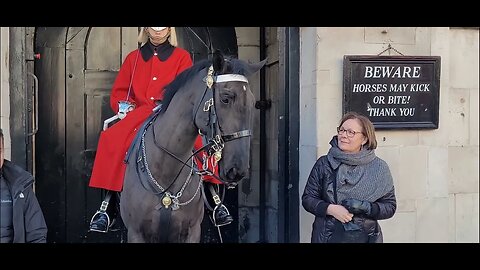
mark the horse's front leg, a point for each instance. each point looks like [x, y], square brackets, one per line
[135, 237]
[194, 234]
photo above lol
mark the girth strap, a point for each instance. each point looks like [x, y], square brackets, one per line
[164, 224]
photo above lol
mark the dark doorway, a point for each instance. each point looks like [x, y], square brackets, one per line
[77, 69]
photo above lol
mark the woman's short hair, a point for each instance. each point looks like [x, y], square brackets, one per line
[143, 37]
[367, 126]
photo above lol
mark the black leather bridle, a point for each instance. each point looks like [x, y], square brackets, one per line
[214, 140]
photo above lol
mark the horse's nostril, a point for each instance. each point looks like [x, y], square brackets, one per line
[234, 175]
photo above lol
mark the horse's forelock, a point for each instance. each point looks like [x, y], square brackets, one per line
[241, 67]
[236, 66]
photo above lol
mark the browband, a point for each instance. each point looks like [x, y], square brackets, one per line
[230, 78]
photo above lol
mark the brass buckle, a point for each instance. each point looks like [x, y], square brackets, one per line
[216, 199]
[104, 206]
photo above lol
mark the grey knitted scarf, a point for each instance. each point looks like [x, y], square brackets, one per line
[360, 175]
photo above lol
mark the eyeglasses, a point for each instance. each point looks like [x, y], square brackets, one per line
[350, 133]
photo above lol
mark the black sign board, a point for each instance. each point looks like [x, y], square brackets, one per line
[395, 92]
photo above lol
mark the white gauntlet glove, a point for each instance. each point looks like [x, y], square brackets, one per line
[124, 107]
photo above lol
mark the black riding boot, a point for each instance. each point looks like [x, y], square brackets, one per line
[221, 216]
[105, 217]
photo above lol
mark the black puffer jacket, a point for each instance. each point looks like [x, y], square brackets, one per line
[28, 221]
[318, 194]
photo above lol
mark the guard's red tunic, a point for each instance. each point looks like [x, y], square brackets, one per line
[148, 84]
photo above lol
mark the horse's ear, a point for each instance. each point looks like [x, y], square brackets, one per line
[253, 68]
[218, 61]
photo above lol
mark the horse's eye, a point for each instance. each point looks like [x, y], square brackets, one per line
[226, 97]
[225, 100]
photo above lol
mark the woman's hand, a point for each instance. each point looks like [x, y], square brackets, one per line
[357, 207]
[339, 212]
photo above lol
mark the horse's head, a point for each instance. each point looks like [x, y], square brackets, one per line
[225, 113]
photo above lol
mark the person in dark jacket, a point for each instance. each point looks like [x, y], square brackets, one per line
[21, 218]
[350, 189]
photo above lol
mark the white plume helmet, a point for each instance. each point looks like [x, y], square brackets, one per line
[158, 28]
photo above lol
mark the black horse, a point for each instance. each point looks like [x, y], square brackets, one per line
[161, 199]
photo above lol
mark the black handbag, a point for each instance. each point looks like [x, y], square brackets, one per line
[343, 235]
[349, 232]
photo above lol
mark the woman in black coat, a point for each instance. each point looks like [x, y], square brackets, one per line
[350, 188]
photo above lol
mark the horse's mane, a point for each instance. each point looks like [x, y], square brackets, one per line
[231, 66]
[180, 80]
